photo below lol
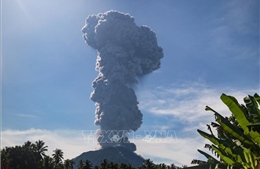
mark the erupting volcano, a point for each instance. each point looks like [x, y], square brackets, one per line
[125, 53]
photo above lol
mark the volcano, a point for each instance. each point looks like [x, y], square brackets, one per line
[125, 53]
[115, 154]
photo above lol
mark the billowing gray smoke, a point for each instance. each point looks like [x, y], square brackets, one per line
[125, 52]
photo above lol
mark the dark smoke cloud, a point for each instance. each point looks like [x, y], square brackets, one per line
[125, 52]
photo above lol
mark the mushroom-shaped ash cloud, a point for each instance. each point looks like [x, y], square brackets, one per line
[125, 52]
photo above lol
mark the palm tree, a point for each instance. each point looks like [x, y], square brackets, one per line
[161, 166]
[104, 164]
[48, 162]
[87, 165]
[172, 166]
[41, 148]
[4, 158]
[116, 166]
[148, 164]
[22, 157]
[80, 164]
[111, 165]
[68, 164]
[57, 157]
[123, 166]
[29, 145]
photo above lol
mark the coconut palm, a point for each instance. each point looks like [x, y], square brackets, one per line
[29, 145]
[172, 166]
[4, 158]
[87, 165]
[57, 157]
[104, 164]
[125, 166]
[148, 164]
[161, 166]
[80, 164]
[48, 162]
[111, 165]
[68, 164]
[40, 148]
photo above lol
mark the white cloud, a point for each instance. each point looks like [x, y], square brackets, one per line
[180, 153]
[188, 103]
[26, 115]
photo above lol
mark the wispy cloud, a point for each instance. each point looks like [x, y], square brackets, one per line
[180, 153]
[26, 115]
[188, 103]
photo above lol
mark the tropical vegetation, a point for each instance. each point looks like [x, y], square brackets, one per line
[32, 156]
[237, 142]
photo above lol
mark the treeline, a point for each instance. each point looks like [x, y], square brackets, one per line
[32, 156]
[148, 164]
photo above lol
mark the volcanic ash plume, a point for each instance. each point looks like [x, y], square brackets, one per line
[125, 52]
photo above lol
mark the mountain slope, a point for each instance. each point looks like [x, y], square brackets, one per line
[112, 154]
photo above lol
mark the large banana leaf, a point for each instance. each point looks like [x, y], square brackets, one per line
[257, 98]
[255, 137]
[250, 158]
[230, 128]
[237, 111]
[245, 159]
[224, 157]
[224, 145]
[210, 137]
[252, 107]
[211, 159]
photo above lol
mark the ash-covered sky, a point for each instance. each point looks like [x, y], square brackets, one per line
[210, 47]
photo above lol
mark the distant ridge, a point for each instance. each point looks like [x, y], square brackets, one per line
[111, 154]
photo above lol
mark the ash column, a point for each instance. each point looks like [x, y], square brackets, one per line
[125, 52]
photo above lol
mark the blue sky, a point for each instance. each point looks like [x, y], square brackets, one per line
[210, 47]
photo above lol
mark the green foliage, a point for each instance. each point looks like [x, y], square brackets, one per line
[32, 156]
[68, 164]
[25, 156]
[236, 144]
[57, 157]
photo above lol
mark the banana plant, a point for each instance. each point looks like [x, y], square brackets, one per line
[236, 144]
[239, 114]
